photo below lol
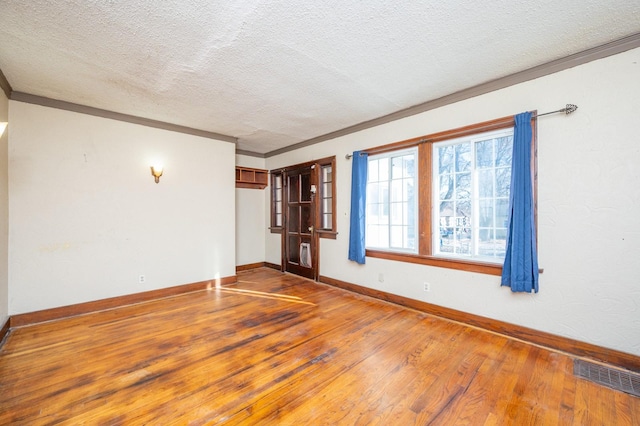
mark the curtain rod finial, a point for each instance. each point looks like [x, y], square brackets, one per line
[570, 108]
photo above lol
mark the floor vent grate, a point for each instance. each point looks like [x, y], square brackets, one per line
[625, 381]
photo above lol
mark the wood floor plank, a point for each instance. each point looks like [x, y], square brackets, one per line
[378, 361]
[339, 346]
[278, 349]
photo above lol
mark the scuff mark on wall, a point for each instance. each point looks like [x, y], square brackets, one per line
[54, 247]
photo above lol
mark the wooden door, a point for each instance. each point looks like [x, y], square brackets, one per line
[299, 238]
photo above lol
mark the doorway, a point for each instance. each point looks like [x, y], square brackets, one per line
[300, 251]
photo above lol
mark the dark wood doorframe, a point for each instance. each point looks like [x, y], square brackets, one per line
[299, 221]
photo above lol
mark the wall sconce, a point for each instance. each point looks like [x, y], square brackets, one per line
[3, 126]
[156, 172]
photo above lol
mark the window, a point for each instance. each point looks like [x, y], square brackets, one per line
[471, 178]
[326, 197]
[276, 201]
[443, 199]
[391, 201]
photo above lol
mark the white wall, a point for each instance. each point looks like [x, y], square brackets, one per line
[588, 207]
[86, 218]
[4, 213]
[251, 217]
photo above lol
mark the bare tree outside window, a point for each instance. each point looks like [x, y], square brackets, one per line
[473, 177]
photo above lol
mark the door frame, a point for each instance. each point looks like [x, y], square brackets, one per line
[286, 265]
[280, 225]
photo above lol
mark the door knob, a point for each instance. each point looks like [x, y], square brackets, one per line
[311, 229]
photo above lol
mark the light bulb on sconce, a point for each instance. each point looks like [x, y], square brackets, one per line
[156, 172]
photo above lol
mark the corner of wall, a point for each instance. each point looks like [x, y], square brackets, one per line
[4, 212]
[251, 225]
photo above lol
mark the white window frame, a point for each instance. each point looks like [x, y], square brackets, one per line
[388, 155]
[475, 199]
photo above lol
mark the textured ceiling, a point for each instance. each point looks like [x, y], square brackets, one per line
[274, 73]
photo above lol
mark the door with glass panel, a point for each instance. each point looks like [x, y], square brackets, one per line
[300, 242]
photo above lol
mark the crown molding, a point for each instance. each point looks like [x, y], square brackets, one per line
[250, 153]
[97, 112]
[4, 84]
[580, 58]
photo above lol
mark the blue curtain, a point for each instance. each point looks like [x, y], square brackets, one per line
[520, 269]
[358, 206]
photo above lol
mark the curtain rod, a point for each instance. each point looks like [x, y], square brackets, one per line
[568, 109]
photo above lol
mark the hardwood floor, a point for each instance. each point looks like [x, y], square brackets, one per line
[278, 349]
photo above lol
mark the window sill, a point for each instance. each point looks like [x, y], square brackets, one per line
[327, 234]
[463, 265]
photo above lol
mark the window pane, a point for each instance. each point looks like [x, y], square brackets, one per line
[373, 193]
[484, 154]
[502, 213]
[446, 187]
[377, 214]
[327, 221]
[409, 166]
[396, 191]
[446, 212]
[445, 159]
[383, 170]
[485, 183]
[294, 249]
[396, 236]
[463, 243]
[485, 213]
[463, 212]
[383, 235]
[397, 214]
[377, 236]
[487, 244]
[327, 190]
[327, 174]
[372, 170]
[293, 188]
[411, 237]
[372, 213]
[305, 216]
[463, 157]
[305, 184]
[446, 240]
[397, 167]
[504, 150]
[503, 182]
[372, 236]
[294, 219]
[500, 243]
[327, 205]
[463, 186]
[407, 190]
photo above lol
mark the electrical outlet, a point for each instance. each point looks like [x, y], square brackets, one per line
[141, 279]
[427, 286]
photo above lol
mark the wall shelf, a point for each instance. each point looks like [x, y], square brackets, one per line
[247, 177]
